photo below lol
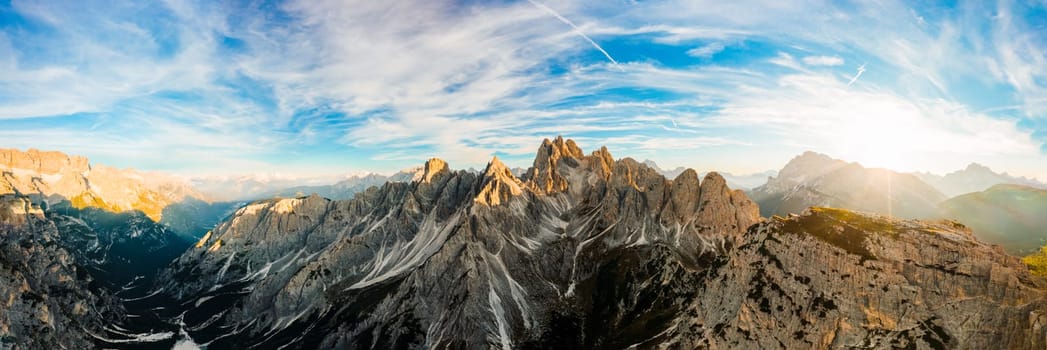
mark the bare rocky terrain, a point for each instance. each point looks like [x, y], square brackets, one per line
[580, 251]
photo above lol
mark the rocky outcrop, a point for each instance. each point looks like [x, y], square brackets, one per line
[545, 175]
[813, 179]
[499, 184]
[837, 279]
[56, 177]
[46, 296]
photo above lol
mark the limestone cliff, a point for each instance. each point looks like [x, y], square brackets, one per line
[56, 177]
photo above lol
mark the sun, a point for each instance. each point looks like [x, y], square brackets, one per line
[879, 143]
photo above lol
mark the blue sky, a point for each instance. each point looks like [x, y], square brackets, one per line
[326, 87]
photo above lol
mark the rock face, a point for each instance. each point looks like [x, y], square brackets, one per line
[453, 259]
[46, 297]
[57, 177]
[837, 279]
[1010, 215]
[813, 179]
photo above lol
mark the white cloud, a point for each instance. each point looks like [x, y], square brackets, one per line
[706, 51]
[823, 61]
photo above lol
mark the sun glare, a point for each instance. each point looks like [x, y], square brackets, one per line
[879, 143]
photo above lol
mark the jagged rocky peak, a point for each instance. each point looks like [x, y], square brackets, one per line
[544, 175]
[455, 259]
[722, 210]
[433, 167]
[499, 184]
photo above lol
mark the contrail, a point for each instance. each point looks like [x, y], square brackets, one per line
[577, 30]
[860, 71]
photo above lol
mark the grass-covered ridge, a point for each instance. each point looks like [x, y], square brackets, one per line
[1037, 262]
[842, 228]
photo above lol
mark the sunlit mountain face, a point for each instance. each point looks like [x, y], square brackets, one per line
[523, 174]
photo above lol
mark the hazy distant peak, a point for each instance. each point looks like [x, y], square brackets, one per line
[670, 173]
[975, 177]
[978, 168]
[808, 165]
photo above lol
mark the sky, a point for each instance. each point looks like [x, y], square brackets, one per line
[325, 87]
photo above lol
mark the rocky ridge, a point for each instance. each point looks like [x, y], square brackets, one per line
[582, 251]
[832, 278]
[55, 177]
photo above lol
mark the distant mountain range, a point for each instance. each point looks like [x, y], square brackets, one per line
[347, 188]
[814, 179]
[55, 177]
[1013, 216]
[974, 178]
[742, 182]
[1007, 211]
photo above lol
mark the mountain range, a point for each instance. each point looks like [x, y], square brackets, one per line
[814, 179]
[975, 178]
[742, 182]
[1002, 209]
[1009, 215]
[581, 250]
[57, 177]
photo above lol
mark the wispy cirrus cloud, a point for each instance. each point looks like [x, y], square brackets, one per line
[707, 50]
